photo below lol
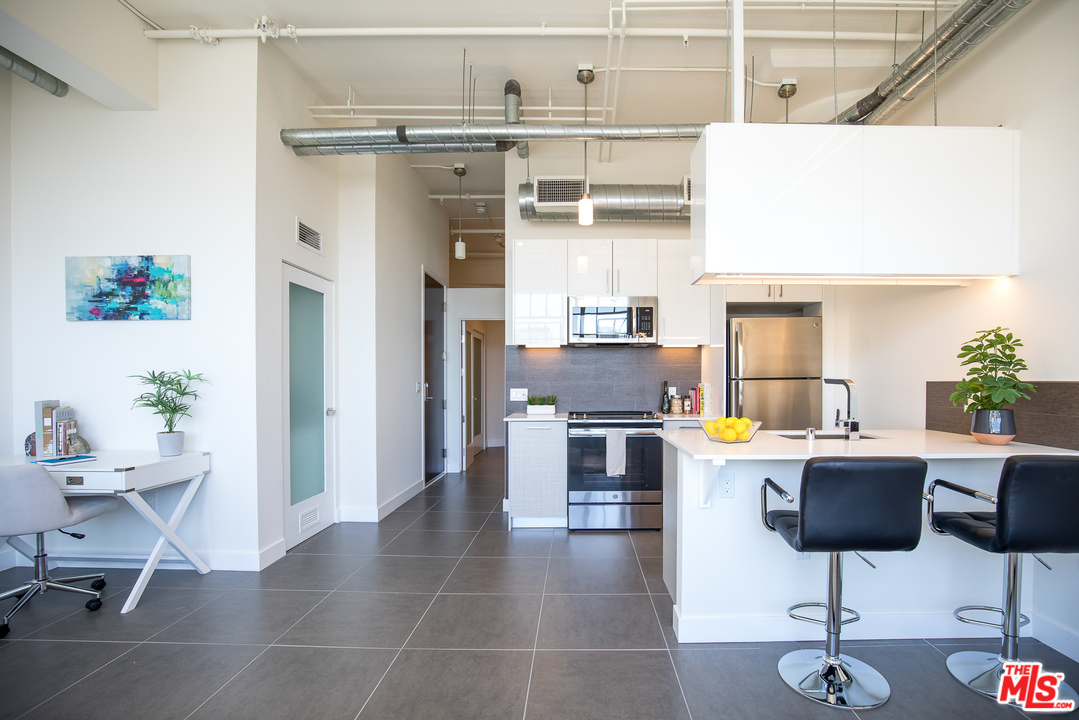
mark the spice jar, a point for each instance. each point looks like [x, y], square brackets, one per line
[677, 406]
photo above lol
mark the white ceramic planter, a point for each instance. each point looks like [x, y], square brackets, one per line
[541, 409]
[170, 444]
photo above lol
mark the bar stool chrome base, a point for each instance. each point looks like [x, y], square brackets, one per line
[981, 672]
[851, 684]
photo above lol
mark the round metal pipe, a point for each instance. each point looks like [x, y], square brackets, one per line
[483, 133]
[396, 148]
[32, 73]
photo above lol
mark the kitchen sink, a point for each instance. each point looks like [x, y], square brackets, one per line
[801, 435]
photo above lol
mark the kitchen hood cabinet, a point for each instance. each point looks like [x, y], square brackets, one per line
[846, 202]
[622, 267]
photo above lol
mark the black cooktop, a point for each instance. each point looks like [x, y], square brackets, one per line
[600, 416]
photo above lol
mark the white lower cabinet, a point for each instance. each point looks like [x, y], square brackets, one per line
[537, 473]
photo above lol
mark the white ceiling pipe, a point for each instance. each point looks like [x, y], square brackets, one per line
[541, 31]
[491, 231]
[737, 62]
[467, 196]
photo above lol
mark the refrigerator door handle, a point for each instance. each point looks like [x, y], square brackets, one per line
[737, 356]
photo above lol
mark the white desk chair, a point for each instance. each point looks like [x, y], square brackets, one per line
[33, 504]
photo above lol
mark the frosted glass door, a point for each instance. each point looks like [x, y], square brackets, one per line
[307, 461]
[308, 442]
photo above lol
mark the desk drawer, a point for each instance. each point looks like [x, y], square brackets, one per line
[72, 480]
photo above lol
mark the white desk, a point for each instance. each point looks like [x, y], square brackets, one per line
[126, 474]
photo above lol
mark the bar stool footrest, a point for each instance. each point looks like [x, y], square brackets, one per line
[958, 615]
[817, 621]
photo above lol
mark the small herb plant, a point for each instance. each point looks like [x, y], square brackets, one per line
[171, 397]
[993, 378]
[542, 399]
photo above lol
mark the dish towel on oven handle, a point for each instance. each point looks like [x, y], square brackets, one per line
[616, 452]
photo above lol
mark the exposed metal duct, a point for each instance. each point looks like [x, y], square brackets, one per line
[399, 148]
[616, 203]
[431, 135]
[32, 73]
[971, 23]
[512, 95]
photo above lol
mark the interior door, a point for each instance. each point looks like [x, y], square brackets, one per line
[308, 357]
[473, 393]
[434, 378]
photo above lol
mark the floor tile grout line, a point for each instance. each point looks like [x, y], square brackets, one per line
[226, 683]
[666, 643]
[539, 622]
[415, 627]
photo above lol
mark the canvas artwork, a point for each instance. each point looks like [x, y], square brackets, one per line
[129, 287]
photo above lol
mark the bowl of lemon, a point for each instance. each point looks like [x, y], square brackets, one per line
[730, 429]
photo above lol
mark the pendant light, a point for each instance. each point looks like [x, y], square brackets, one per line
[459, 246]
[585, 75]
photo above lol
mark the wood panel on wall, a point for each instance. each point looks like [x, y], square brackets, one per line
[1050, 417]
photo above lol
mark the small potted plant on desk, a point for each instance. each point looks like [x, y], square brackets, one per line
[991, 383]
[541, 404]
[170, 398]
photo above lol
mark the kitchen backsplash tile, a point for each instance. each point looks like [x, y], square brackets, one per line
[605, 378]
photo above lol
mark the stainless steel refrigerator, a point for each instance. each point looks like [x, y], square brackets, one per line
[774, 369]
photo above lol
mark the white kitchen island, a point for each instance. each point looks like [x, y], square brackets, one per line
[732, 580]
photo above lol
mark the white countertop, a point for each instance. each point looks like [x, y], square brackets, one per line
[920, 443]
[525, 417]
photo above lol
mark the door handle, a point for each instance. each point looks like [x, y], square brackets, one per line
[330, 412]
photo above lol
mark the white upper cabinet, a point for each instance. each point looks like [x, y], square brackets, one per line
[612, 267]
[684, 309]
[786, 293]
[939, 201]
[540, 308]
[850, 201]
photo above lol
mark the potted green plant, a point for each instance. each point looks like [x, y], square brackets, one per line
[992, 382]
[171, 398]
[541, 404]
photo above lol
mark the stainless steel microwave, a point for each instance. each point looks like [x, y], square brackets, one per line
[603, 320]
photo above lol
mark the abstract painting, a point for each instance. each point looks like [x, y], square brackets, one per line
[129, 287]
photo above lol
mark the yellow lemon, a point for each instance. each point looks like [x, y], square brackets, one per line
[721, 421]
[710, 427]
[747, 421]
[739, 427]
[728, 434]
[729, 422]
[744, 435]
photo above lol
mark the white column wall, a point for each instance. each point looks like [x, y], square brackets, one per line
[472, 304]
[287, 186]
[410, 235]
[902, 337]
[8, 441]
[358, 412]
[90, 181]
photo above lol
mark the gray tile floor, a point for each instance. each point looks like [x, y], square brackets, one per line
[436, 612]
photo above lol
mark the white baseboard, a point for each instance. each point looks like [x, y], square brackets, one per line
[359, 513]
[1063, 640]
[538, 522]
[399, 499]
[170, 560]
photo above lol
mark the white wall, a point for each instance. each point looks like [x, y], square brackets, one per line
[286, 186]
[473, 304]
[357, 387]
[902, 337]
[8, 436]
[90, 181]
[495, 355]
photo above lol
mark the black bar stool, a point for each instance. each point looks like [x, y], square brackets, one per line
[845, 504]
[1037, 511]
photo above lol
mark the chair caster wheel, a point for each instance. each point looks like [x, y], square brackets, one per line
[4, 630]
[97, 584]
[94, 604]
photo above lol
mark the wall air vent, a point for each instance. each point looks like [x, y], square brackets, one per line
[308, 519]
[558, 192]
[308, 237]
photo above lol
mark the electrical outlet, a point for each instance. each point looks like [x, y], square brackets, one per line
[518, 394]
[725, 487]
[151, 500]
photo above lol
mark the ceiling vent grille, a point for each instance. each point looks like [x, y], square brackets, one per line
[308, 237]
[558, 191]
[308, 519]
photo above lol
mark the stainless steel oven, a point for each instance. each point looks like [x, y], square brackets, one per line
[632, 500]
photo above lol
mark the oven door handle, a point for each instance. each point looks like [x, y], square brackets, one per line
[602, 432]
